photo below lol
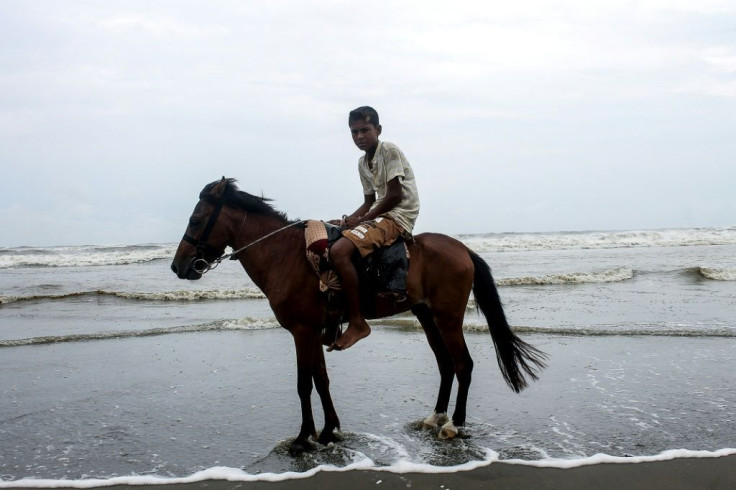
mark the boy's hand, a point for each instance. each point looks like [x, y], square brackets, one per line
[351, 222]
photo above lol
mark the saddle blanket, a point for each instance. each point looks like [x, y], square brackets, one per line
[318, 255]
[385, 268]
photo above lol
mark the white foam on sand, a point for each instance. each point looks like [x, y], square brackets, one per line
[238, 475]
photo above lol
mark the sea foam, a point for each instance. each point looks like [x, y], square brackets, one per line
[718, 274]
[609, 275]
[402, 467]
[82, 256]
[90, 255]
[509, 242]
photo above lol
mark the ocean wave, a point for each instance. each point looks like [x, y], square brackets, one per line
[626, 330]
[507, 242]
[220, 325]
[84, 256]
[91, 255]
[402, 322]
[181, 295]
[191, 295]
[718, 274]
[4, 300]
[609, 275]
[646, 329]
[573, 278]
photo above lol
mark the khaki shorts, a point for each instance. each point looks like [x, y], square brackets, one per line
[371, 235]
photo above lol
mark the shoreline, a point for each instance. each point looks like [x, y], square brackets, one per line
[688, 472]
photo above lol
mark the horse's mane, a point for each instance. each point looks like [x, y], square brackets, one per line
[234, 197]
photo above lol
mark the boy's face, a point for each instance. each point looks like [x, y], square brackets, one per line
[365, 135]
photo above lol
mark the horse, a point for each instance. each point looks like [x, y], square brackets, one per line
[442, 272]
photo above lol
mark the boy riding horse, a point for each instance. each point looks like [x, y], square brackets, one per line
[389, 210]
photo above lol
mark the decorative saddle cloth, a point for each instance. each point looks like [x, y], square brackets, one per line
[382, 271]
[318, 250]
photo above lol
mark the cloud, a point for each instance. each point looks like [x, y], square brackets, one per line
[510, 107]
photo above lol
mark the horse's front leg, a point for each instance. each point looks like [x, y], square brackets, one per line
[305, 360]
[322, 383]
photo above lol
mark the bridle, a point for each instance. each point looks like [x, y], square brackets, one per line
[200, 264]
[201, 243]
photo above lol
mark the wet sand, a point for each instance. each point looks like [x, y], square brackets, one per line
[683, 473]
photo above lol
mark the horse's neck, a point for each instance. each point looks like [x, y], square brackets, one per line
[269, 261]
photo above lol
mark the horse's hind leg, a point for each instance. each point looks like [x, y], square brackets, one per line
[451, 329]
[444, 363]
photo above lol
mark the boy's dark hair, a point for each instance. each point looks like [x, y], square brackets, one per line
[364, 113]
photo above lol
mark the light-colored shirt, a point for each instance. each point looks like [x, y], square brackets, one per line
[388, 163]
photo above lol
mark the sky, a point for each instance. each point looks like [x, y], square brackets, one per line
[516, 116]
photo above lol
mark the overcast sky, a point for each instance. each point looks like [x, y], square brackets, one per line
[516, 116]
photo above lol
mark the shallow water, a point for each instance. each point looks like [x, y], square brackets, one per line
[173, 405]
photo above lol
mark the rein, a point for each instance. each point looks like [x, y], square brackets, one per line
[200, 264]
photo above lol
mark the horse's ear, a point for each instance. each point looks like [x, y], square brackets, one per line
[219, 189]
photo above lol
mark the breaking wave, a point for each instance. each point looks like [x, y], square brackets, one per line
[181, 295]
[510, 242]
[82, 256]
[610, 275]
[90, 255]
[405, 322]
[221, 325]
[718, 274]
[596, 277]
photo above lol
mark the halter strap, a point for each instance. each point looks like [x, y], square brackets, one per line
[201, 243]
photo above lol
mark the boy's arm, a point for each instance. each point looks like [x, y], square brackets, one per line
[389, 201]
[354, 219]
[368, 200]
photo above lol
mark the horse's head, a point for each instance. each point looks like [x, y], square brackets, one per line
[205, 238]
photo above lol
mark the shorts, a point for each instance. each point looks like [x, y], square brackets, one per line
[369, 236]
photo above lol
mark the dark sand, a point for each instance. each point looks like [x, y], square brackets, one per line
[684, 473]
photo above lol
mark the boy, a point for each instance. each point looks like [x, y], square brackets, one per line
[390, 208]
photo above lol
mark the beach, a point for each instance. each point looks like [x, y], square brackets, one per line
[676, 474]
[114, 373]
[174, 405]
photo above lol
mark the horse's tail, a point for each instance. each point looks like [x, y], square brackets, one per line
[516, 358]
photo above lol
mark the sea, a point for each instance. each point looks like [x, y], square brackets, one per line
[114, 371]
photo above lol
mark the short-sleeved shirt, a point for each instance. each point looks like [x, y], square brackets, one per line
[389, 162]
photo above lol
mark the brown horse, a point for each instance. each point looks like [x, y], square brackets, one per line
[441, 274]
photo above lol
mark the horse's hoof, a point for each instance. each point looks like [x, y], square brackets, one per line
[434, 421]
[448, 431]
[298, 447]
[326, 437]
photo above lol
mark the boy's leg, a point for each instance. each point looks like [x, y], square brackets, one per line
[341, 254]
[365, 238]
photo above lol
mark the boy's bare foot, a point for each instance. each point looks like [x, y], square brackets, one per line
[354, 333]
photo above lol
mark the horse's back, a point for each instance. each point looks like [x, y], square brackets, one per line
[439, 264]
[439, 248]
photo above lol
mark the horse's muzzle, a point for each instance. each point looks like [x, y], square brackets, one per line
[185, 271]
